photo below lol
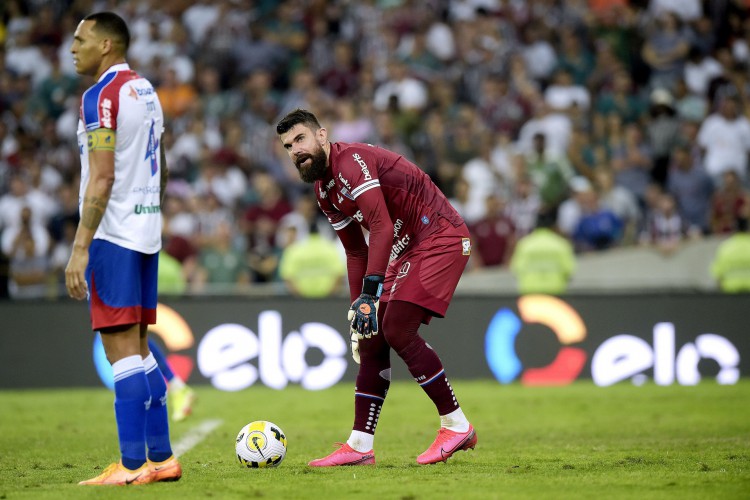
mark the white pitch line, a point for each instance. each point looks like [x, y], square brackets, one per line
[195, 435]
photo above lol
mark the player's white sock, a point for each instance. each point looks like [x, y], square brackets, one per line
[454, 421]
[361, 441]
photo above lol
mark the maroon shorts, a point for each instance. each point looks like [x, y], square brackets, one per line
[427, 275]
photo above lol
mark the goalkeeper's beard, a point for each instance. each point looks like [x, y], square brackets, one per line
[317, 168]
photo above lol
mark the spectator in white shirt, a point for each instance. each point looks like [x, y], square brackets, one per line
[725, 139]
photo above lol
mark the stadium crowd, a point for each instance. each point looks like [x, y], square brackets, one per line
[624, 122]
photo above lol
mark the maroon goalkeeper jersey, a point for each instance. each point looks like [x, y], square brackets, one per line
[387, 195]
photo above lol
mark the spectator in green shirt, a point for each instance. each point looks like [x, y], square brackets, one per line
[543, 260]
[312, 267]
[731, 265]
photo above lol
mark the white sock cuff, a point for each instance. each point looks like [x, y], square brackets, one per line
[361, 441]
[149, 363]
[127, 366]
[455, 421]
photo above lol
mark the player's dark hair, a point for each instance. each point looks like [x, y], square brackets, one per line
[110, 24]
[296, 117]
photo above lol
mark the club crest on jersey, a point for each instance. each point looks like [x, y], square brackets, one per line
[465, 246]
[425, 220]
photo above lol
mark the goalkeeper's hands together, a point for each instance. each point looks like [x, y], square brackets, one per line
[363, 313]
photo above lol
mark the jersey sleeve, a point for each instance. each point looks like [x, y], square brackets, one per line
[100, 105]
[358, 166]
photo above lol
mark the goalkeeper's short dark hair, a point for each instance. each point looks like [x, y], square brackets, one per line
[296, 117]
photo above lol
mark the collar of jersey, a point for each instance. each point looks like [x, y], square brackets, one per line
[115, 68]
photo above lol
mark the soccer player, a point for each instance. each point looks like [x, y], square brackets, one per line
[114, 258]
[418, 248]
[180, 396]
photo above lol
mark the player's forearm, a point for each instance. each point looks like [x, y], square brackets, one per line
[95, 201]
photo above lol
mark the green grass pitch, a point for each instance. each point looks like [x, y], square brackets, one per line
[578, 441]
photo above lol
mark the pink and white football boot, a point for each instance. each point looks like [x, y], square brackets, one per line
[345, 455]
[446, 444]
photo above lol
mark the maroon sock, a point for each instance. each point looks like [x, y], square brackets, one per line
[372, 384]
[401, 329]
[427, 369]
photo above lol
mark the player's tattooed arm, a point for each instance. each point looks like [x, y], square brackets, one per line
[101, 146]
[93, 212]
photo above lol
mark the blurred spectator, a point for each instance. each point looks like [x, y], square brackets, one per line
[571, 209]
[20, 195]
[175, 96]
[663, 133]
[26, 59]
[550, 173]
[523, 205]
[665, 229]
[295, 226]
[725, 138]
[621, 202]
[622, 99]
[563, 94]
[493, 236]
[575, 57]
[700, 69]
[26, 244]
[171, 276]
[692, 189]
[543, 261]
[340, 79]
[666, 49]
[312, 266]
[598, 227]
[632, 161]
[221, 267]
[728, 203]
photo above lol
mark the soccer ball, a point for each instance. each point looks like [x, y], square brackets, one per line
[260, 444]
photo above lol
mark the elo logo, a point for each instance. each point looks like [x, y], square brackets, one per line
[550, 311]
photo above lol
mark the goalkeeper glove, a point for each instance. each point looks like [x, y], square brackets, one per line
[363, 313]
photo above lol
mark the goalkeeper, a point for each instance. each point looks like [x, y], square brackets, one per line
[418, 248]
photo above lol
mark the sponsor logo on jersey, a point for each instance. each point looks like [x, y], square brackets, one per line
[147, 189]
[106, 113]
[339, 197]
[323, 194]
[344, 181]
[400, 243]
[146, 209]
[363, 166]
[425, 220]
